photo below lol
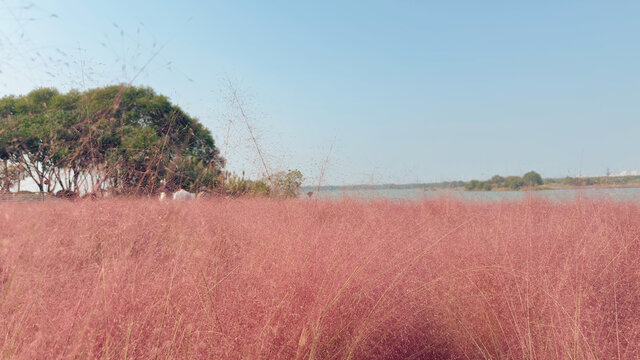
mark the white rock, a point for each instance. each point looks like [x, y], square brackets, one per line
[183, 195]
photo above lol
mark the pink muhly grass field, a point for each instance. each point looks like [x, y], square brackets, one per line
[302, 279]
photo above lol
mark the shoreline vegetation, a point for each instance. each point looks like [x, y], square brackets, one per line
[565, 183]
[117, 140]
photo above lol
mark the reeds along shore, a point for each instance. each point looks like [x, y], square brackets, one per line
[300, 279]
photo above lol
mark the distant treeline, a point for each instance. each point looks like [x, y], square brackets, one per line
[533, 180]
[529, 180]
[628, 180]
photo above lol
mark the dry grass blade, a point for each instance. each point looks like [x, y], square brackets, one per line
[320, 279]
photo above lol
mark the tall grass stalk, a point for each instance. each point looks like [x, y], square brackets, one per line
[325, 279]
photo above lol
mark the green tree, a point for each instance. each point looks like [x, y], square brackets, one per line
[532, 178]
[473, 185]
[497, 181]
[128, 139]
[486, 186]
[287, 184]
[36, 129]
[7, 139]
[513, 182]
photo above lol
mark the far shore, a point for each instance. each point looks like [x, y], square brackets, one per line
[559, 187]
[433, 188]
[568, 183]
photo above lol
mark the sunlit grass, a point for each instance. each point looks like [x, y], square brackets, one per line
[260, 278]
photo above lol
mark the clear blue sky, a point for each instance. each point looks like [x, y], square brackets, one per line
[405, 91]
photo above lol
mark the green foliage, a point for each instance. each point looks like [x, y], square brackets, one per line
[532, 178]
[497, 181]
[473, 185]
[486, 186]
[260, 188]
[513, 182]
[234, 185]
[128, 139]
[605, 181]
[287, 184]
[13, 174]
[281, 184]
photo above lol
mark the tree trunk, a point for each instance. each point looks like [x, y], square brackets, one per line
[40, 182]
[75, 181]
[7, 180]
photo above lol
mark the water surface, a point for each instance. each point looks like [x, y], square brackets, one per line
[618, 194]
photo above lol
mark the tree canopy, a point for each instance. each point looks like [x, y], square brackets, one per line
[530, 180]
[122, 138]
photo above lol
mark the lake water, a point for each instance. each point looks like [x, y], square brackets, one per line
[618, 194]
